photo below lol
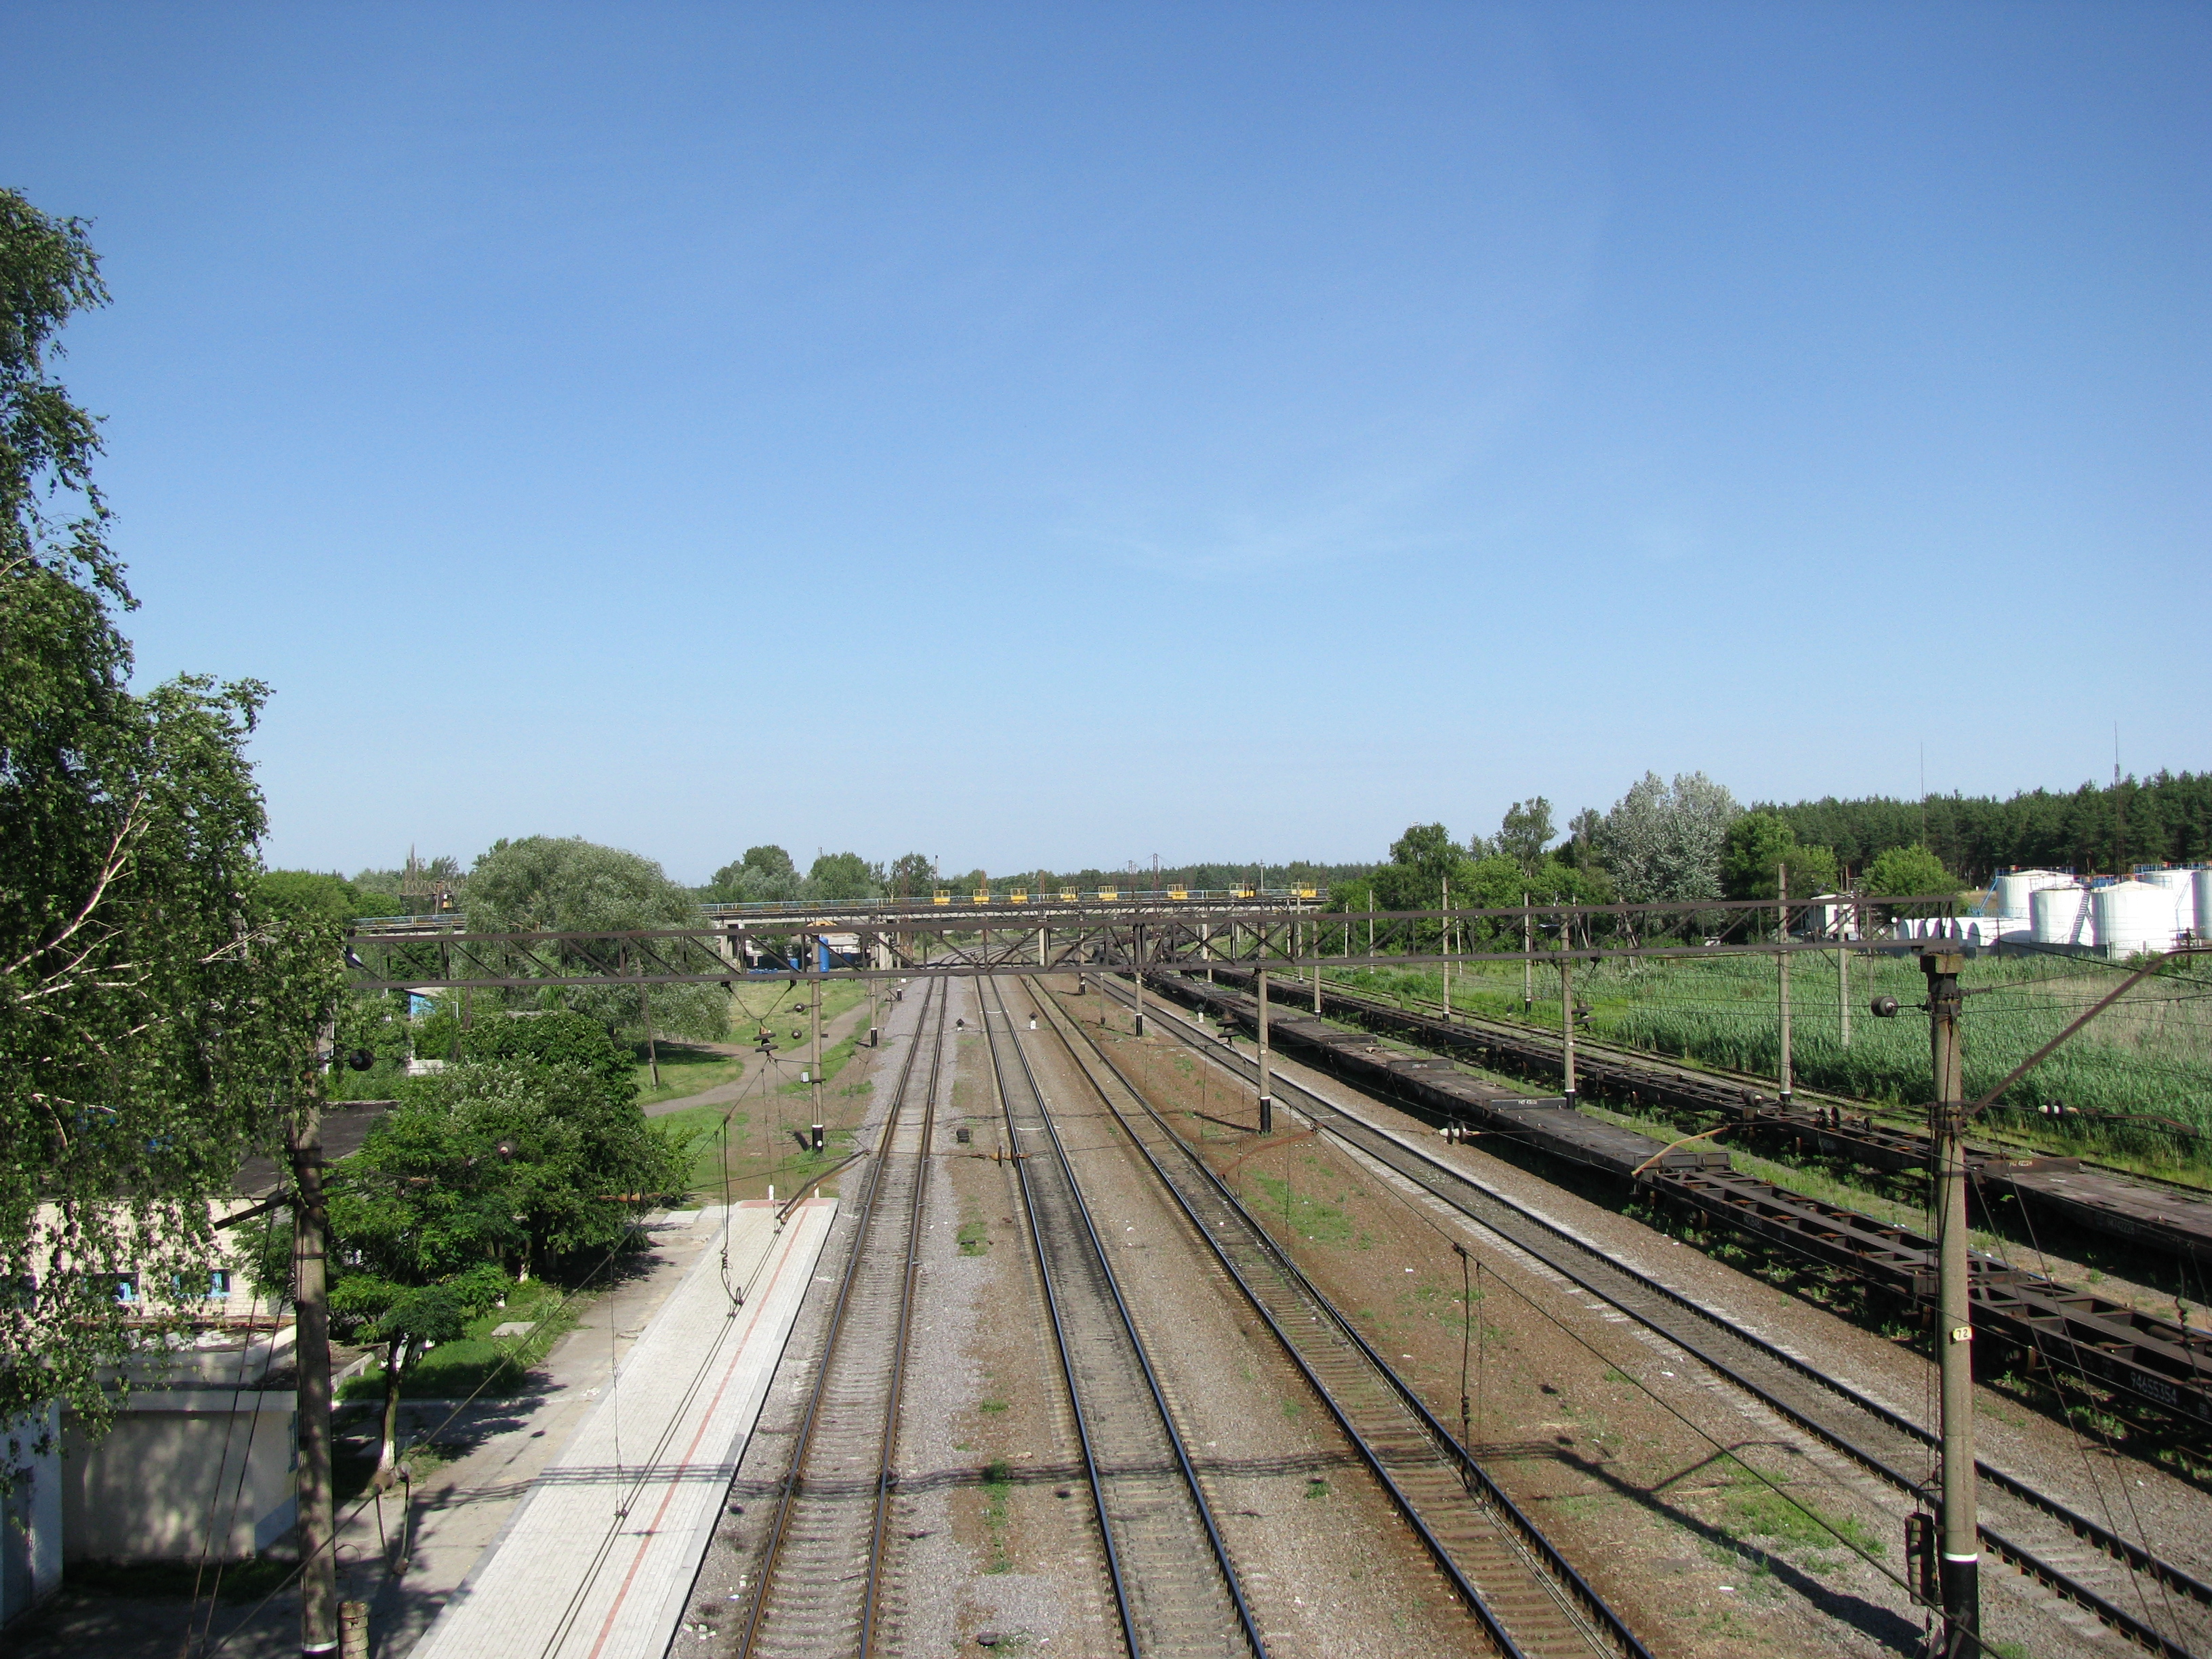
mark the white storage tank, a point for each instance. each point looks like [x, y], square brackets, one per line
[2062, 915]
[2204, 905]
[2016, 889]
[2133, 916]
[2181, 885]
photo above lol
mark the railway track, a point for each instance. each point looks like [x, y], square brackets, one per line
[2151, 1601]
[1526, 1596]
[2155, 1368]
[2119, 1203]
[819, 1586]
[1176, 1589]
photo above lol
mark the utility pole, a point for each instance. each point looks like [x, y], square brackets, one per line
[814, 1072]
[1444, 938]
[319, 1575]
[1527, 958]
[1567, 1007]
[1316, 942]
[1960, 1573]
[1848, 928]
[1137, 944]
[1267, 1085]
[1782, 967]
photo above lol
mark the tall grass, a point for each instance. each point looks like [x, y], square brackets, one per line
[2150, 1053]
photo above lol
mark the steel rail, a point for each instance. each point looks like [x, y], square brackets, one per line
[864, 1232]
[2112, 1344]
[1173, 1434]
[1586, 1622]
[1447, 1183]
[1877, 1140]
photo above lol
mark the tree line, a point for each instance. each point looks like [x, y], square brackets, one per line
[2166, 818]
[1682, 841]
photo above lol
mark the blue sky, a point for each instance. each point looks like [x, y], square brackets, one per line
[1055, 435]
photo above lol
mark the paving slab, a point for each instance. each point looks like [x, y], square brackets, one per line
[598, 1561]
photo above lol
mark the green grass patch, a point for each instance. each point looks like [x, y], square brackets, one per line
[973, 1238]
[2148, 1054]
[1307, 1215]
[833, 1061]
[998, 1482]
[454, 1370]
[685, 1070]
[701, 1126]
[778, 1004]
[1753, 1510]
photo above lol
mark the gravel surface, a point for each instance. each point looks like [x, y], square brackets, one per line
[979, 1541]
[1620, 1446]
[1327, 1565]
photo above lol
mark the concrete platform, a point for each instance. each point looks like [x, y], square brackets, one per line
[597, 1562]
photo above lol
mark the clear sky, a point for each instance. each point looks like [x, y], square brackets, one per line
[1057, 434]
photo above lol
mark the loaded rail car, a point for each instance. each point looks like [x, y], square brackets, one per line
[1438, 1090]
[2139, 1212]
[2158, 1361]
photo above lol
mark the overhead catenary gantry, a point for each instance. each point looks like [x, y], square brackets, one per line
[1049, 937]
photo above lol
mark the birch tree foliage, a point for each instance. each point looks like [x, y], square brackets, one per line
[157, 1021]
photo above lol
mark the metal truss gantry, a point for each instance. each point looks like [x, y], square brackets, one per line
[1056, 938]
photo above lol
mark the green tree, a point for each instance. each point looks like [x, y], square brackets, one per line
[1905, 872]
[764, 873]
[1526, 831]
[307, 893]
[563, 884]
[1758, 846]
[770, 863]
[155, 1017]
[1421, 860]
[1583, 831]
[484, 1168]
[1662, 842]
[843, 878]
[553, 1039]
[911, 876]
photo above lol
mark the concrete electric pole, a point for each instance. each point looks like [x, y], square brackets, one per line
[1782, 968]
[1960, 1542]
[1266, 1084]
[319, 1577]
[814, 1072]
